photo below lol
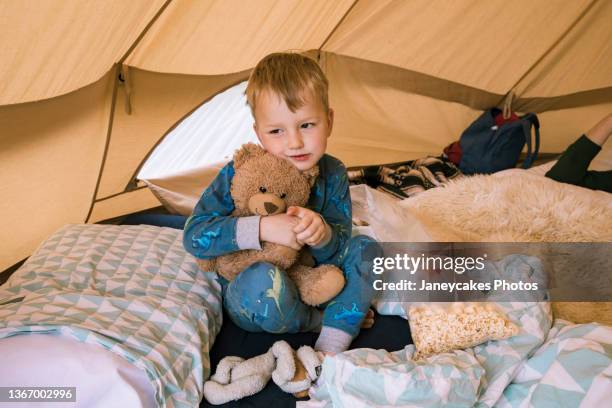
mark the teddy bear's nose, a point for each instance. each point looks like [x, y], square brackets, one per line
[270, 207]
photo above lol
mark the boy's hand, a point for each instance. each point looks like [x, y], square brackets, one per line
[278, 229]
[311, 229]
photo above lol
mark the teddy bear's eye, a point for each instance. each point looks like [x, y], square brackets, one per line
[263, 189]
[283, 195]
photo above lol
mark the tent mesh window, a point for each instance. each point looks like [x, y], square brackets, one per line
[208, 136]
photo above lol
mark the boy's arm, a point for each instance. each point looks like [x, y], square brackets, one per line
[211, 230]
[337, 214]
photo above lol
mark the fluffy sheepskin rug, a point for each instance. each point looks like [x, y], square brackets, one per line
[513, 206]
[517, 206]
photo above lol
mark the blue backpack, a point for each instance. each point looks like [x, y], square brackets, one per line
[487, 147]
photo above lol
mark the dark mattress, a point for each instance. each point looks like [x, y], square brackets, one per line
[389, 332]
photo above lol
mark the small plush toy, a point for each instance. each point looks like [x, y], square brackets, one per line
[237, 378]
[264, 184]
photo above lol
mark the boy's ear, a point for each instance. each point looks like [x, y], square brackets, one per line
[246, 152]
[330, 119]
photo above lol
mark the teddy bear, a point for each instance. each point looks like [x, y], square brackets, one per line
[265, 185]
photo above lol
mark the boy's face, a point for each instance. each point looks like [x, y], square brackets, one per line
[299, 137]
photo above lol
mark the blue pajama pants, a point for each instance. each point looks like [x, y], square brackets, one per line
[264, 298]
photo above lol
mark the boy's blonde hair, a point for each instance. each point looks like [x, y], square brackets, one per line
[287, 75]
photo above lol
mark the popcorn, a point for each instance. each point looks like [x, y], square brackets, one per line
[437, 329]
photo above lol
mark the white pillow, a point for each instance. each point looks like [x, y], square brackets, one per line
[180, 192]
[102, 378]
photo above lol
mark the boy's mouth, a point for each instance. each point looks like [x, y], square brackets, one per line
[300, 157]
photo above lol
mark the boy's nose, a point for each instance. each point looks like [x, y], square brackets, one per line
[295, 140]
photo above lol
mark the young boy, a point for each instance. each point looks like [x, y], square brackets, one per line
[287, 94]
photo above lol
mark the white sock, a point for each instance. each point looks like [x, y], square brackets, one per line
[332, 340]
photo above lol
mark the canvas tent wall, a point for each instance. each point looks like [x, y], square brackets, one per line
[407, 77]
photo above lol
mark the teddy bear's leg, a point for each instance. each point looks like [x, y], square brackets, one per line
[317, 285]
[207, 265]
[231, 265]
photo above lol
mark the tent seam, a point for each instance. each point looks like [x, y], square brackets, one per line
[108, 197]
[144, 31]
[539, 103]
[109, 130]
[125, 55]
[335, 28]
[552, 47]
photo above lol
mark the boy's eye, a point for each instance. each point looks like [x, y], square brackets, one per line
[263, 189]
[283, 195]
[275, 131]
[307, 125]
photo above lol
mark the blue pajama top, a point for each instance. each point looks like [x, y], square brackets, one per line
[211, 230]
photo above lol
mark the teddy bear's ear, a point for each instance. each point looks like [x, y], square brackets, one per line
[311, 175]
[246, 152]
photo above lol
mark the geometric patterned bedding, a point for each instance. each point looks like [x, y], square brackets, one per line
[135, 291]
[573, 367]
[130, 289]
[567, 365]
[361, 378]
